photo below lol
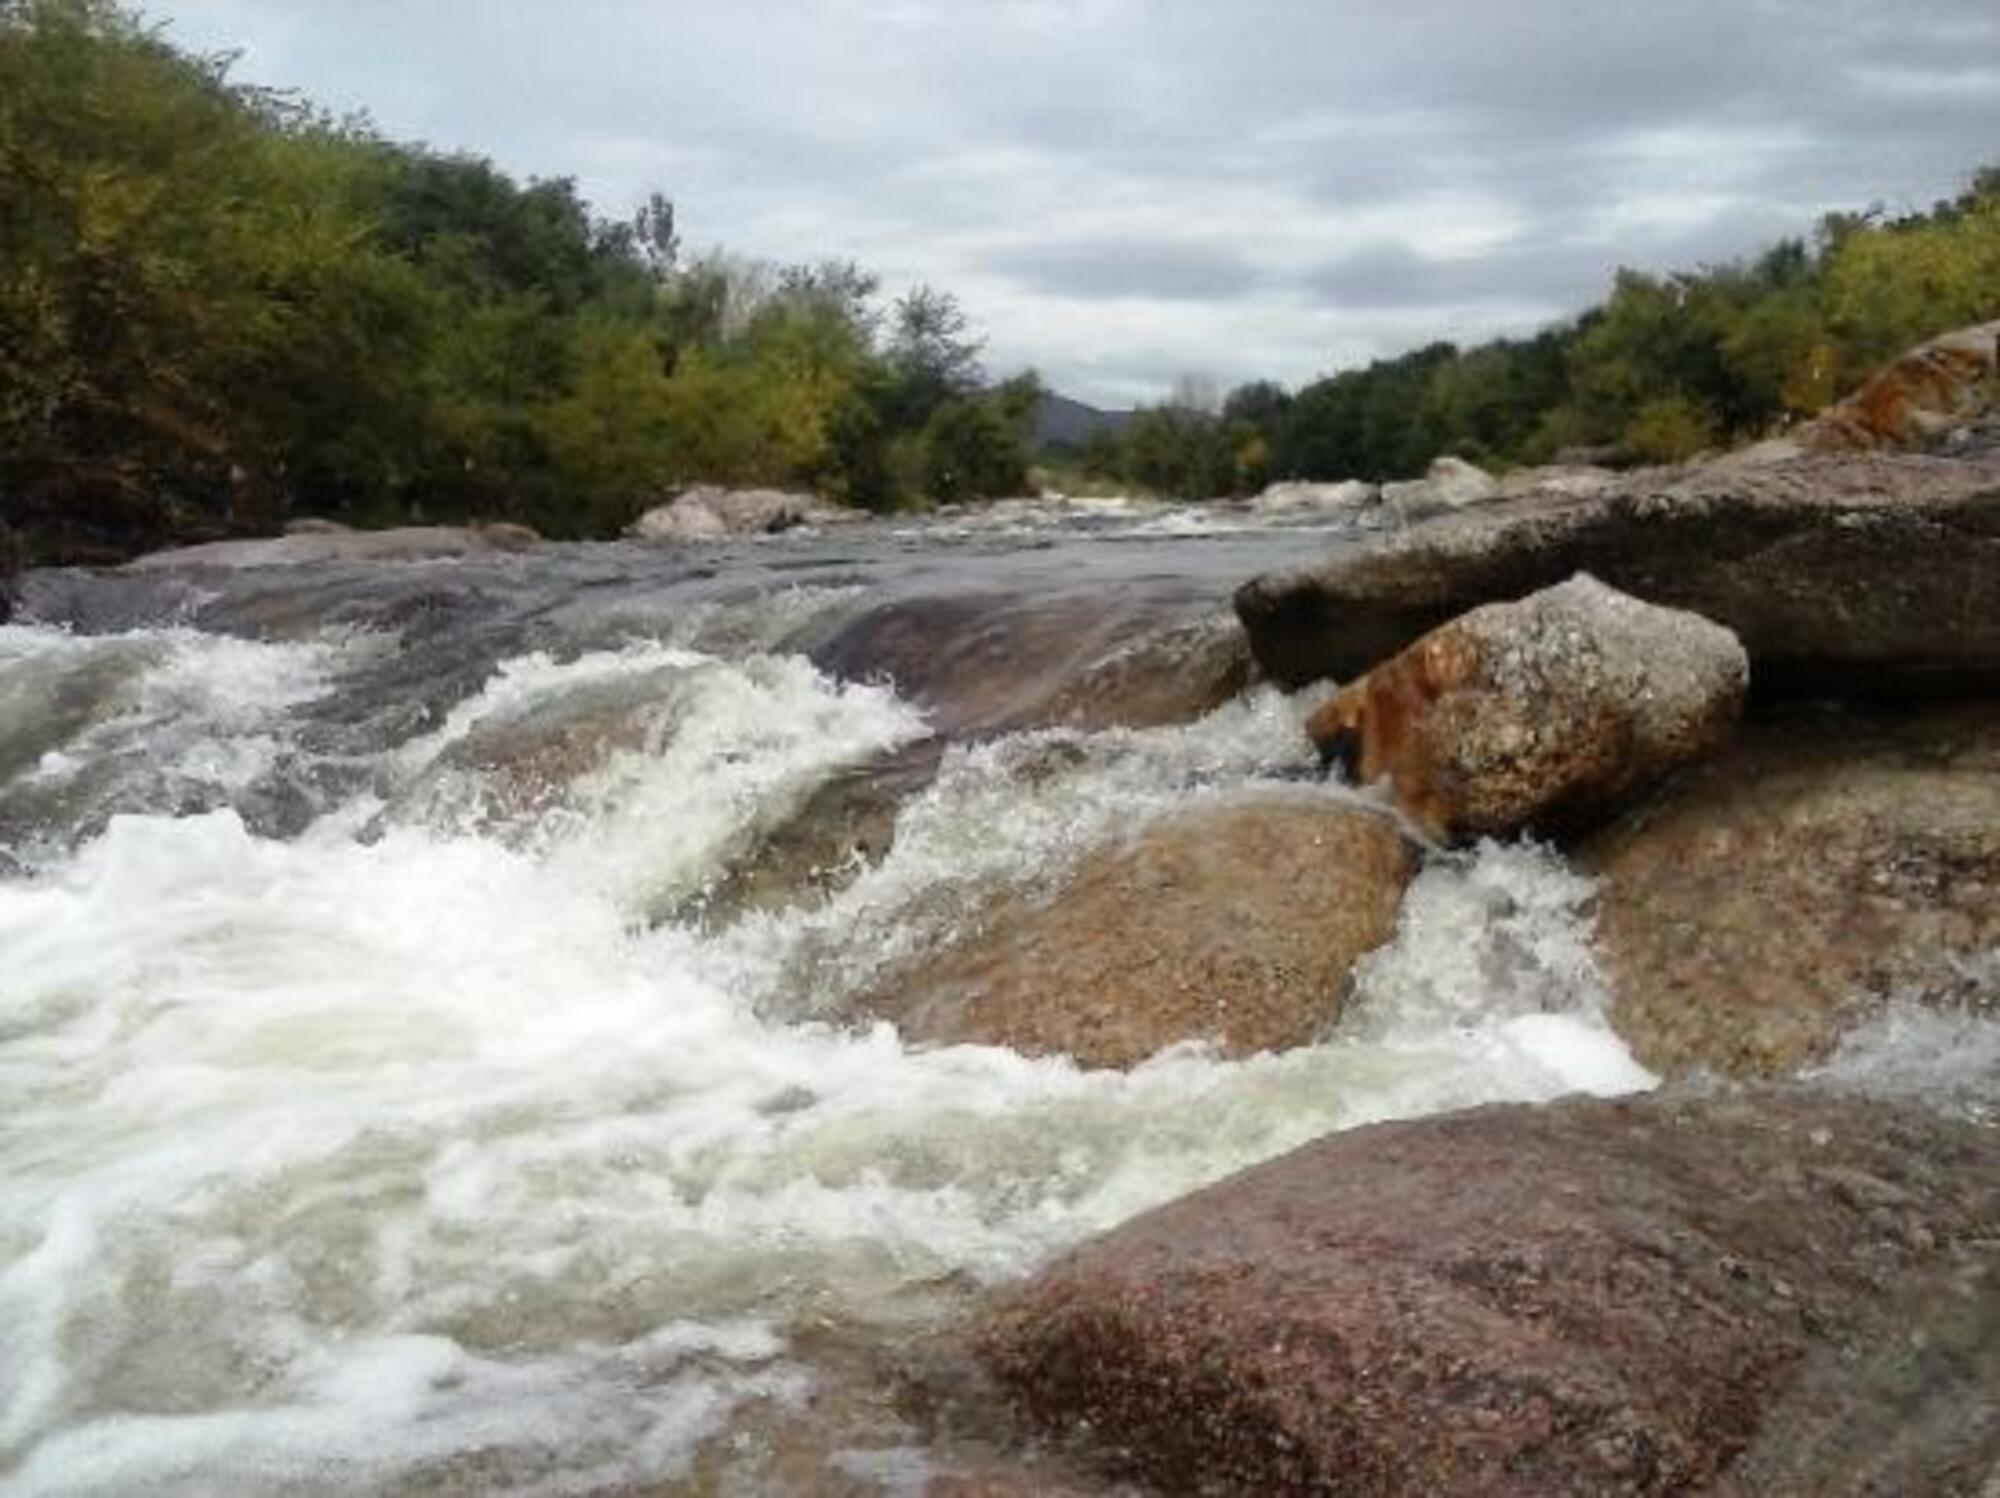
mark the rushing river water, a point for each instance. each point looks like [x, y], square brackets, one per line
[389, 1105]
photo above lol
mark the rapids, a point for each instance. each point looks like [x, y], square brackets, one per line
[386, 1109]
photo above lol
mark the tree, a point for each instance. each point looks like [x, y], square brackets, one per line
[932, 357]
[976, 446]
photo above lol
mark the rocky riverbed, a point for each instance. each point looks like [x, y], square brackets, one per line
[905, 1007]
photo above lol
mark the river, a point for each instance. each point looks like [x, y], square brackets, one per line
[402, 1093]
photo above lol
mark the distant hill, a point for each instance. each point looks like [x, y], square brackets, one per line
[1062, 422]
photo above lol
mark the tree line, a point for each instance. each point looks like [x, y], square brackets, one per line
[220, 306]
[1665, 367]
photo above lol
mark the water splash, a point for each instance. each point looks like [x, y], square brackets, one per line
[400, 1154]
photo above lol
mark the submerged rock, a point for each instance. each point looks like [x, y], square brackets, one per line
[1777, 895]
[1868, 573]
[1583, 1297]
[1238, 923]
[519, 762]
[1540, 713]
[845, 825]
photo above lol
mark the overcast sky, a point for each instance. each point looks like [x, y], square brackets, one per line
[1122, 192]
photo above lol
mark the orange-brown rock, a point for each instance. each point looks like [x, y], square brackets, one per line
[1238, 923]
[1539, 713]
[1918, 398]
[1772, 898]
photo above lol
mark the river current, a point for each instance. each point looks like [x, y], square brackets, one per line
[393, 1103]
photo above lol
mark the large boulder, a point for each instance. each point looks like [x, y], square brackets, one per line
[1774, 897]
[685, 519]
[707, 512]
[1581, 1297]
[1294, 496]
[1540, 713]
[1875, 573]
[1238, 923]
[1917, 400]
[1448, 484]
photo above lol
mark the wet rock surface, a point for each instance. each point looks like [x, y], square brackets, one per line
[1585, 1297]
[1238, 923]
[1772, 898]
[989, 662]
[1866, 573]
[847, 824]
[1541, 713]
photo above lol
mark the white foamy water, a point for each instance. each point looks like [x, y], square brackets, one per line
[409, 1155]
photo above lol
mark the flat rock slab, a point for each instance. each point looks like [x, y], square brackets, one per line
[1875, 573]
[1770, 899]
[1584, 1297]
[410, 543]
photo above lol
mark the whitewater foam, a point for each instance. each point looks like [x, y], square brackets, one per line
[404, 1154]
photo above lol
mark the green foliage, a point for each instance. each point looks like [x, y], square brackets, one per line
[1669, 429]
[1664, 367]
[976, 446]
[218, 306]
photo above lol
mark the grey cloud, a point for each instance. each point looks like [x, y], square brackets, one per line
[1025, 151]
[1396, 276]
[1543, 269]
[1115, 268]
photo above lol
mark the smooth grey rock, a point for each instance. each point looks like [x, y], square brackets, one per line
[1865, 573]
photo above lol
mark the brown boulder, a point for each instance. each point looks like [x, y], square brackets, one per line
[1918, 398]
[1771, 898]
[1583, 1297]
[1537, 713]
[1875, 573]
[1237, 923]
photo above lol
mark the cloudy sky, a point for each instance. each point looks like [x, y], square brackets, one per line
[1123, 192]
